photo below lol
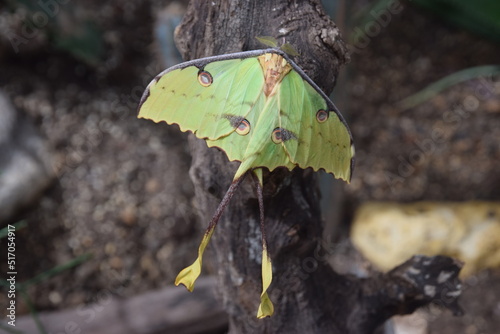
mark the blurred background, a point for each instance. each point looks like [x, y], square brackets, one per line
[102, 201]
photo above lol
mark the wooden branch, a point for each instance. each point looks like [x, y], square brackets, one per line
[170, 310]
[309, 296]
[417, 282]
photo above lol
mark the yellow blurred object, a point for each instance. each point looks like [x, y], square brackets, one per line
[387, 233]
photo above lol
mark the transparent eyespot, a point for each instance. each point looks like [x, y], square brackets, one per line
[322, 115]
[205, 79]
[243, 128]
[276, 136]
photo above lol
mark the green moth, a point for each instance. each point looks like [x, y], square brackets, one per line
[261, 109]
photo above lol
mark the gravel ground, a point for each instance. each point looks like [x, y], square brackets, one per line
[122, 191]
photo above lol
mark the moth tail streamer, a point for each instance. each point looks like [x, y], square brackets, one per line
[188, 275]
[266, 307]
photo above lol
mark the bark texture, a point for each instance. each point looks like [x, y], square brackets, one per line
[309, 297]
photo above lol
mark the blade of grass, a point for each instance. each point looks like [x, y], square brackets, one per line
[33, 311]
[446, 82]
[39, 278]
[49, 273]
[8, 329]
[19, 225]
[54, 271]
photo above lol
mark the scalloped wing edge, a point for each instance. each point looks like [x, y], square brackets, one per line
[201, 62]
[290, 169]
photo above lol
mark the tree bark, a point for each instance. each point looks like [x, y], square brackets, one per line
[309, 297]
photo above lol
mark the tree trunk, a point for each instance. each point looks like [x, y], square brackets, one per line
[309, 297]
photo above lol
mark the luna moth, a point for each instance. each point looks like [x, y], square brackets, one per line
[260, 108]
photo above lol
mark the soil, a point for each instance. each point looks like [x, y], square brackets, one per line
[123, 192]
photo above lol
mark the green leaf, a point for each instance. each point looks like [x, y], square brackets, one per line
[447, 82]
[478, 16]
[84, 42]
[268, 40]
[363, 18]
[289, 49]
